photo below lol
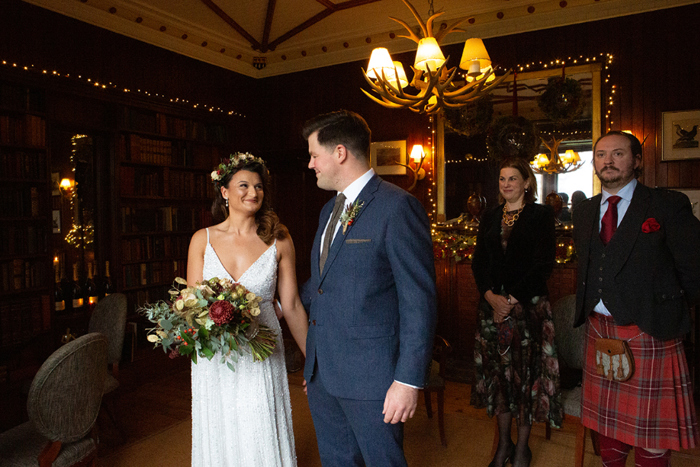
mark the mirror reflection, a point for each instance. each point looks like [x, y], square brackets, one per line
[553, 115]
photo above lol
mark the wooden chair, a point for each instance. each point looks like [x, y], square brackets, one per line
[436, 383]
[63, 404]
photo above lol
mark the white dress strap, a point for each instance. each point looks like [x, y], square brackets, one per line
[207, 229]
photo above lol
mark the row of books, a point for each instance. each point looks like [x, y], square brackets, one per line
[163, 219]
[22, 320]
[23, 202]
[140, 182]
[28, 130]
[23, 240]
[150, 181]
[188, 185]
[154, 247]
[14, 97]
[18, 275]
[160, 272]
[22, 165]
[136, 148]
[152, 151]
[166, 125]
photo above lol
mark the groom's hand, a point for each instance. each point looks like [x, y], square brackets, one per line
[400, 403]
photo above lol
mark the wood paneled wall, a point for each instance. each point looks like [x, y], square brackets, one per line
[656, 68]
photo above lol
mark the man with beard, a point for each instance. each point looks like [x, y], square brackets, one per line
[638, 274]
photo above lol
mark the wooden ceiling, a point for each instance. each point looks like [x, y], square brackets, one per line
[261, 38]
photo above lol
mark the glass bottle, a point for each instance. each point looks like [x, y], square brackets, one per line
[107, 284]
[90, 289]
[77, 291]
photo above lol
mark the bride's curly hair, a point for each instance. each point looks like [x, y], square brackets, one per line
[269, 225]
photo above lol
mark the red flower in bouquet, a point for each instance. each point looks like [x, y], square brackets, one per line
[650, 225]
[221, 312]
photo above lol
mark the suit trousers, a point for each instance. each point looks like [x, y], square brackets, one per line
[352, 432]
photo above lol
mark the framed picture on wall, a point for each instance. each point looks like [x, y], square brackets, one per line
[694, 196]
[55, 183]
[680, 135]
[386, 155]
[56, 221]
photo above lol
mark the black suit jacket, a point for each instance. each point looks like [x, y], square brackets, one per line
[523, 269]
[656, 274]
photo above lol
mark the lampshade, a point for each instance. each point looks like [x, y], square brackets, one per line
[66, 183]
[541, 160]
[391, 76]
[571, 157]
[474, 57]
[429, 55]
[417, 153]
[379, 61]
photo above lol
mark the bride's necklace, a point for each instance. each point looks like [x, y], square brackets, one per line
[510, 220]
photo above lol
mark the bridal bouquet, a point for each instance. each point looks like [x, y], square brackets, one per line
[215, 315]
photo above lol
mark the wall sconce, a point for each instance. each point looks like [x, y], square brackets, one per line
[418, 156]
[66, 187]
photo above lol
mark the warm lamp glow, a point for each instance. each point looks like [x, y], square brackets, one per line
[391, 77]
[417, 153]
[66, 184]
[380, 61]
[570, 157]
[541, 160]
[474, 57]
[429, 57]
[483, 71]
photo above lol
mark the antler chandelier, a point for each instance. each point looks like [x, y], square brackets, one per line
[556, 163]
[436, 84]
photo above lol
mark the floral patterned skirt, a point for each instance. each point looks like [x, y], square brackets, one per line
[516, 364]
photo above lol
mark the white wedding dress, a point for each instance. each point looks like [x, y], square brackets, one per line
[244, 418]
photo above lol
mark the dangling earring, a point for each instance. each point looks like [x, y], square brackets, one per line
[226, 203]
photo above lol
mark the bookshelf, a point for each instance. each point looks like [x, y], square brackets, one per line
[164, 195]
[26, 284]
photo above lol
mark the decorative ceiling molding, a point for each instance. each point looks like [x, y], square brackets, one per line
[309, 34]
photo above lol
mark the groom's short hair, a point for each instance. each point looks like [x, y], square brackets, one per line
[341, 127]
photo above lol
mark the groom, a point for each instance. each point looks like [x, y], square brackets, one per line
[370, 298]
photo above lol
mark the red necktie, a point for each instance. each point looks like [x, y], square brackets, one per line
[608, 225]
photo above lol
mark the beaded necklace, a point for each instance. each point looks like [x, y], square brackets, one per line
[511, 221]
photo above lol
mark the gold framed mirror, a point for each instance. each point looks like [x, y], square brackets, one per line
[518, 94]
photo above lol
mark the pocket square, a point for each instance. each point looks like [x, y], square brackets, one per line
[358, 240]
[650, 225]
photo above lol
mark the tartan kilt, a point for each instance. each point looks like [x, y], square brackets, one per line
[654, 409]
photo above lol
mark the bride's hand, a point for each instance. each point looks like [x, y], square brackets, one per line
[278, 309]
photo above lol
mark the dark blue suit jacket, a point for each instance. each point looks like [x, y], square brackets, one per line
[372, 312]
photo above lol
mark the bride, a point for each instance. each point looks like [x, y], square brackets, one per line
[243, 418]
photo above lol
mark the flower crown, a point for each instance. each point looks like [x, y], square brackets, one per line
[231, 163]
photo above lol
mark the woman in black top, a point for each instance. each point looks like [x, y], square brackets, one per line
[517, 372]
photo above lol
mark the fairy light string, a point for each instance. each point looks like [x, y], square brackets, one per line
[109, 86]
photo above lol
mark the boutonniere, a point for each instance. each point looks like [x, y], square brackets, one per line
[348, 217]
[650, 225]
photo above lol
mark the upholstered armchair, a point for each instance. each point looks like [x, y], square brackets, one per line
[63, 404]
[109, 318]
